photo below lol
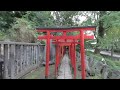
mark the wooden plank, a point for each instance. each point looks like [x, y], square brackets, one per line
[38, 54]
[1, 69]
[1, 53]
[29, 55]
[25, 56]
[27, 60]
[66, 37]
[6, 61]
[17, 59]
[21, 58]
[70, 29]
[19, 43]
[40, 51]
[1, 64]
[32, 55]
[12, 61]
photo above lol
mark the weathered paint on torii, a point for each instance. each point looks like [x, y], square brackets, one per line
[61, 41]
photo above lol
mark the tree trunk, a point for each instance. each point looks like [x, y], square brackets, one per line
[97, 50]
[101, 31]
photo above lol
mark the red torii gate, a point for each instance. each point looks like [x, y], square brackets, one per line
[64, 40]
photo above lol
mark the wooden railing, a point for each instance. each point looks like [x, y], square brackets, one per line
[19, 58]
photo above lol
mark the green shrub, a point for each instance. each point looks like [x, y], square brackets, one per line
[22, 31]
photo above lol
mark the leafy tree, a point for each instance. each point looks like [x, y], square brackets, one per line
[40, 18]
[22, 31]
[7, 18]
[64, 18]
[111, 23]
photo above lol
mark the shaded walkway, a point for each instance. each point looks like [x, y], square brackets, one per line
[65, 70]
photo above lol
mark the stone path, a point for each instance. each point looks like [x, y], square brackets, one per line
[64, 70]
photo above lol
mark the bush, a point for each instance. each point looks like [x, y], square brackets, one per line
[22, 31]
[2, 36]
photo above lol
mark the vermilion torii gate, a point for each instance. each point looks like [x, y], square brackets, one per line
[64, 40]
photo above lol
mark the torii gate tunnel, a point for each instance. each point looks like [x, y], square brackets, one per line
[65, 40]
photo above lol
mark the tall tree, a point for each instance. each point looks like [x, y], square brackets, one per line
[8, 17]
[101, 30]
[64, 18]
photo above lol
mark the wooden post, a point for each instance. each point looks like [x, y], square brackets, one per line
[47, 55]
[82, 51]
[6, 61]
[37, 54]
[72, 55]
[28, 56]
[58, 56]
[34, 55]
[62, 51]
[56, 60]
[22, 58]
[74, 60]
[27, 62]
[12, 61]
[69, 51]
[32, 61]
[24, 63]
[17, 51]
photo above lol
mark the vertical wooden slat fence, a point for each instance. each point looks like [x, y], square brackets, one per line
[19, 58]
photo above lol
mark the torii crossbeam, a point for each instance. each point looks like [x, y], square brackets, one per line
[64, 40]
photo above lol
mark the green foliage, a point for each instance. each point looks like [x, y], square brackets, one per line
[64, 18]
[40, 18]
[7, 18]
[112, 30]
[88, 22]
[22, 31]
[2, 36]
[110, 62]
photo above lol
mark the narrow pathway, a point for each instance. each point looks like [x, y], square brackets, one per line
[64, 70]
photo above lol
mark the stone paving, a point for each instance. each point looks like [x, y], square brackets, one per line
[64, 70]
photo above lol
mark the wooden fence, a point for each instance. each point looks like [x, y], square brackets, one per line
[19, 58]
